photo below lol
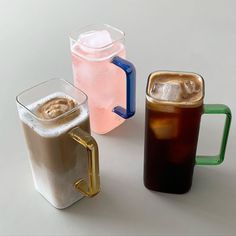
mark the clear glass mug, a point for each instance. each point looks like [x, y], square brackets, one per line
[63, 155]
[174, 106]
[100, 70]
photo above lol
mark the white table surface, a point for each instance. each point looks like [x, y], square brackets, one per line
[188, 35]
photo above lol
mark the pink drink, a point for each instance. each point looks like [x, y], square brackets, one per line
[103, 82]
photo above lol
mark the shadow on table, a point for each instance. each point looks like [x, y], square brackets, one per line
[210, 200]
[108, 205]
[213, 194]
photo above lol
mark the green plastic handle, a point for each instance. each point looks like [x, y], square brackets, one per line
[217, 159]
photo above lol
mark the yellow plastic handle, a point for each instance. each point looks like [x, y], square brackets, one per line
[90, 187]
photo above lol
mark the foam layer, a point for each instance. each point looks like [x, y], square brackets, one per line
[55, 107]
[181, 88]
[52, 129]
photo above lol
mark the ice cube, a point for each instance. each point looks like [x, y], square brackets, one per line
[164, 128]
[94, 40]
[170, 91]
[190, 87]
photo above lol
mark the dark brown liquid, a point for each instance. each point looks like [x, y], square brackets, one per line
[170, 147]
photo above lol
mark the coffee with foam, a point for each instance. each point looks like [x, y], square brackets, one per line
[57, 161]
[52, 124]
[55, 107]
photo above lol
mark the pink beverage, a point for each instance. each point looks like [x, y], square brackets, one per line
[107, 79]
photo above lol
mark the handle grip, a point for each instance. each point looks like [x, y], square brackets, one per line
[217, 159]
[130, 72]
[91, 187]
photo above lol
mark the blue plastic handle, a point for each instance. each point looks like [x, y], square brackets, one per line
[130, 72]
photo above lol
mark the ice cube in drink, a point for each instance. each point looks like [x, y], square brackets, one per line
[170, 91]
[164, 128]
[173, 111]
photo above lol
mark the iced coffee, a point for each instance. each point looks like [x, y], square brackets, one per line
[57, 160]
[174, 105]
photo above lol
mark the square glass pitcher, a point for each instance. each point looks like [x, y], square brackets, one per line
[63, 155]
[101, 71]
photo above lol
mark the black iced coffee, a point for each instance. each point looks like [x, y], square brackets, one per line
[174, 107]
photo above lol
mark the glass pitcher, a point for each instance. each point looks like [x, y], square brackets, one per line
[100, 70]
[63, 154]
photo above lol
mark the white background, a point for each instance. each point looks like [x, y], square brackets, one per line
[188, 35]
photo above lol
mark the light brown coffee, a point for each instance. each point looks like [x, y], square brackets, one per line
[57, 160]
